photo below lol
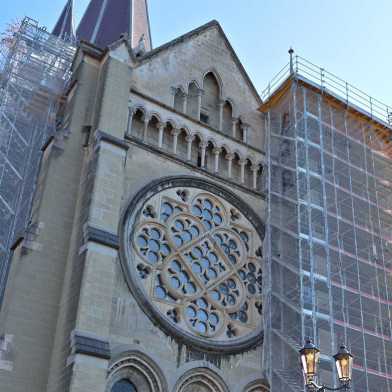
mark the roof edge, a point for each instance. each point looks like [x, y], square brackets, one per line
[211, 24]
[284, 86]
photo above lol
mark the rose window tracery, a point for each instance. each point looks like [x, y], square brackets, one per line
[197, 264]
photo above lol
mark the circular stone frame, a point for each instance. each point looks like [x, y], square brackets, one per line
[130, 216]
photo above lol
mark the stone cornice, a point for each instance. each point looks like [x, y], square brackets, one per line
[89, 344]
[106, 137]
[102, 237]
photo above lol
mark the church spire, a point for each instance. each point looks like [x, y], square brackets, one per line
[106, 20]
[64, 27]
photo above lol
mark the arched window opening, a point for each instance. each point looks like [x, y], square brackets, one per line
[138, 124]
[179, 100]
[167, 141]
[153, 131]
[257, 386]
[241, 132]
[210, 101]
[227, 119]
[260, 179]
[182, 145]
[201, 380]
[123, 386]
[210, 158]
[236, 169]
[196, 151]
[192, 106]
[245, 133]
[197, 387]
[237, 130]
[199, 159]
[134, 371]
[224, 163]
[248, 180]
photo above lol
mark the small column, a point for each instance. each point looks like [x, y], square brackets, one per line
[255, 170]
[189, 139]
[220, 109]
[229, 158]
[175, 132]
[173, 93]
[203, 146]
[245, 131]
[184, 102]
[216, 152]
[242, 164]
[199, 95]
[146, 121]
[130, 118]
[234, 123]
[161, 127]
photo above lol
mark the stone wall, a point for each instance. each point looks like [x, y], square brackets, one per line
[72, 317]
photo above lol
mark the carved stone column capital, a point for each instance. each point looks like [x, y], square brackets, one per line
[160, 124]
[189, 138]
[203, 145]
[199, 92]
[175, 131]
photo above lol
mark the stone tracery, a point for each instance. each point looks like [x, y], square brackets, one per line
[197, 264]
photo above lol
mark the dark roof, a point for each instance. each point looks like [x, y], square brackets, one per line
[199, 30]
[105, 21]
[64, 26]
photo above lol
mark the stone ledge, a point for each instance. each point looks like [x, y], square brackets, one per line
[89, 344]
[102, 237]
[106, 137]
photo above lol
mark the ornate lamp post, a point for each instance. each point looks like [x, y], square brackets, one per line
[310, 356]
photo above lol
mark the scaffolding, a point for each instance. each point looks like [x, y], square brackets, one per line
[34, 70]
[329, 231]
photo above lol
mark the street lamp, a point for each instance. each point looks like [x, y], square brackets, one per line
[344, 365]
[310, 357]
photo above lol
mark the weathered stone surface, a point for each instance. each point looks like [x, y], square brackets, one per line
[73, 280]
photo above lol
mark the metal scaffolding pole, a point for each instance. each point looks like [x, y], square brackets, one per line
[34, 70]
[329, 226]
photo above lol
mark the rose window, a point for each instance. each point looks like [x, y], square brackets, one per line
[196, 259]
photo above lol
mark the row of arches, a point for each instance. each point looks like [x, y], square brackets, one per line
[194, 147]
[206, 103]
[135, 372]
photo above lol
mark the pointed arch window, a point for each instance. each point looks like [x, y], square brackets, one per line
[210, 100]
[123, 386]
[192, 107]
[227, 118]
[179, 100]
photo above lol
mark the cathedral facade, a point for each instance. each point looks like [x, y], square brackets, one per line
[147, 271]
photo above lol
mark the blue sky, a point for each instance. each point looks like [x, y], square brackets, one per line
[350, 38]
